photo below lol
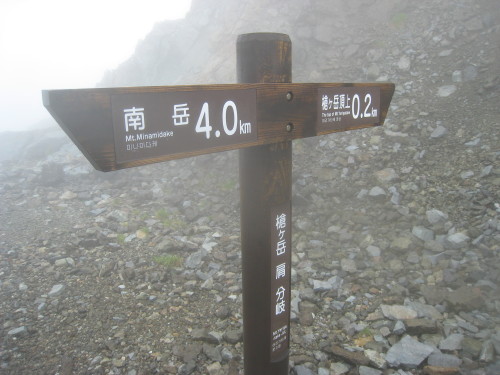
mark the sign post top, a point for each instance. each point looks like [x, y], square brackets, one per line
[124, 127]
[262, 37]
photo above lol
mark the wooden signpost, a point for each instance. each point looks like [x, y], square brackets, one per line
[125, 127]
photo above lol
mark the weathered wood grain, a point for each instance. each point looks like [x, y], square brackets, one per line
[86, 117]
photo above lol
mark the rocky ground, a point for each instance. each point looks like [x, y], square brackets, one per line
[396, 230]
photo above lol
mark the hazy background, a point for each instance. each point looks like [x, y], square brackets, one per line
[54, 44]
[395, 229]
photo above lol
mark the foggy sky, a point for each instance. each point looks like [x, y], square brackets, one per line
[57, 44]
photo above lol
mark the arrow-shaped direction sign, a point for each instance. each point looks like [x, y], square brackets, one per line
[124, 127]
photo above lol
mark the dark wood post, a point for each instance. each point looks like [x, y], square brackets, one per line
[265, 183]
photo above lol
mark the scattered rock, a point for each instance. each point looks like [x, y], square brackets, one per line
[398, 312]
[348, 265]
[355, 358]
[452, 342]
[17, 332]
[56, 290]
[404, 63]
[233, 336]
[466, 298]
[420, 326]
[68, 195]
[202, 334]
[386, 175]
[422, 233]
[399, 328]
[65, 262]
[446, 90]
[377, 192]
[339, 368]
[364, 370]
[487, 354]
[408, 353]
[433, 370]
[444, 360]
[434, 295]
[439, 132]
[195, 259]
[435, 216]
[457, 240]
[401, 244]
[302, 370]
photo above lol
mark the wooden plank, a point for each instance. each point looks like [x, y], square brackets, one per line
[284, 111]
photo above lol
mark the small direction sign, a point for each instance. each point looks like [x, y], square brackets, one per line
[349, 106]
[119, 128]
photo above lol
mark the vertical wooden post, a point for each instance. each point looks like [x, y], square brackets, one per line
[265, 184]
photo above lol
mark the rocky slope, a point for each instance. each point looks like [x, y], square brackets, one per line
[396, 230]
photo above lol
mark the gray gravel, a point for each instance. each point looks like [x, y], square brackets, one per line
[396, 230]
